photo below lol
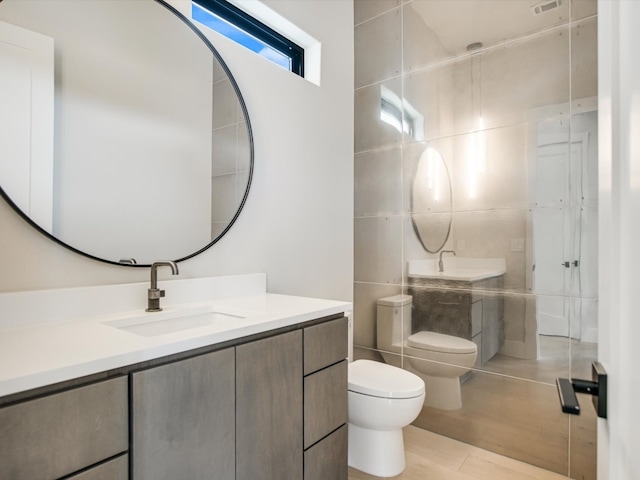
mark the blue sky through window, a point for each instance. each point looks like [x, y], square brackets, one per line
[232, 32]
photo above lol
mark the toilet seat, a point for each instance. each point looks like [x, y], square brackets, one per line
[385, 381]
[439, 342]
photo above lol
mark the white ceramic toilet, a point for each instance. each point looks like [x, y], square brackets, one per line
[382, 400]
[440, 360]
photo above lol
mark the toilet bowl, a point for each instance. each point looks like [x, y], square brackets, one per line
[439, 359]
[382, 399]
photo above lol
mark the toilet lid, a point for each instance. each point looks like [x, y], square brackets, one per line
[439, 342]
[382, 380]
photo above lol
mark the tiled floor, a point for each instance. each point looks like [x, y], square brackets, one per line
[434, 457]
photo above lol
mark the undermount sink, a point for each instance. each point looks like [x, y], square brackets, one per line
[171, 320]
[457, 268]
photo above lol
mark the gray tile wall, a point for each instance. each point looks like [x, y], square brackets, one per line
[531, 69]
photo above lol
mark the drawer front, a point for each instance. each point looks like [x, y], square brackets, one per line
[62, 433]
[325, 344]
[325, 402]
[116, 469]
[328, 458]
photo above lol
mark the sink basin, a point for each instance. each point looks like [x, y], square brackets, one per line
[458, 268]
[171, 320]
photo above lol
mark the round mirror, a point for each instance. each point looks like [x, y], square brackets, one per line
[123, 134]
[431, 201]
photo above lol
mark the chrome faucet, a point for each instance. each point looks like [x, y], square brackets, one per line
[440, 264]
[154, 293]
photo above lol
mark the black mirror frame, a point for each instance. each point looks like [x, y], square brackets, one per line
[243, 106]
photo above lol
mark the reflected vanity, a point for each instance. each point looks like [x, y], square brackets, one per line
[137, 144]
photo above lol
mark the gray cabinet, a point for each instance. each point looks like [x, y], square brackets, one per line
[471, 310]
[183, 419]
[325, 344]
[115, 469]
[59, 434]
[269, 408]
[325, 401]
[328, 459]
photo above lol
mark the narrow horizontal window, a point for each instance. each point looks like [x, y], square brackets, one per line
[242, 28]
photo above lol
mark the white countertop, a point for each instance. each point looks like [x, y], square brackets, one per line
[38, 354]
[457, 268]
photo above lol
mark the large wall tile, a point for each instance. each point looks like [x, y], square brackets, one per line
[378, 257]
[495, 234]
[378, 187]
[378, 49]
[365, 9]
[371, 129]
[583, 438]
[583, 8]
[421, 46]
[518, 418]
[366, 296]
[491, 169]
[523, 75]
[584, 64]
[429, 96]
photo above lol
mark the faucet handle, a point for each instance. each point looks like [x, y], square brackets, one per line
[155, 293]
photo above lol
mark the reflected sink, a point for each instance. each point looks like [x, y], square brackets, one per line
[458, 268]
[171, 320]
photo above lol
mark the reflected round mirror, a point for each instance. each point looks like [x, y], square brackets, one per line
[431, 201]
[123, 134]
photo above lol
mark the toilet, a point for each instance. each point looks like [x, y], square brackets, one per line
[382, 400]
[439, 359]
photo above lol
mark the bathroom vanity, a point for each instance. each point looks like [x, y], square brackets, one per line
[265, 397]
[460, 301]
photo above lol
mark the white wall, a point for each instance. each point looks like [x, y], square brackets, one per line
[619, 257]
[297, 223]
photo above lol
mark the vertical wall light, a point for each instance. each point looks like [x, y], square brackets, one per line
[476, 157]
[476, 146]
[431, 182]
[434, 164]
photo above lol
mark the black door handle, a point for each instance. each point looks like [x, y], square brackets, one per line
[597, 387]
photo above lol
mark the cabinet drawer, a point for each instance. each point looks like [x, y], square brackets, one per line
[116, 469]
[328, 458]
[325, 402]
[325, 344]
[62, 433]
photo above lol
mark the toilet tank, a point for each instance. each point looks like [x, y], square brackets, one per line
[393, 321]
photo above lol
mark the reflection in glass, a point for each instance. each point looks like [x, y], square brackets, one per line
[400, 114]
[431, 192]
[516, 122]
